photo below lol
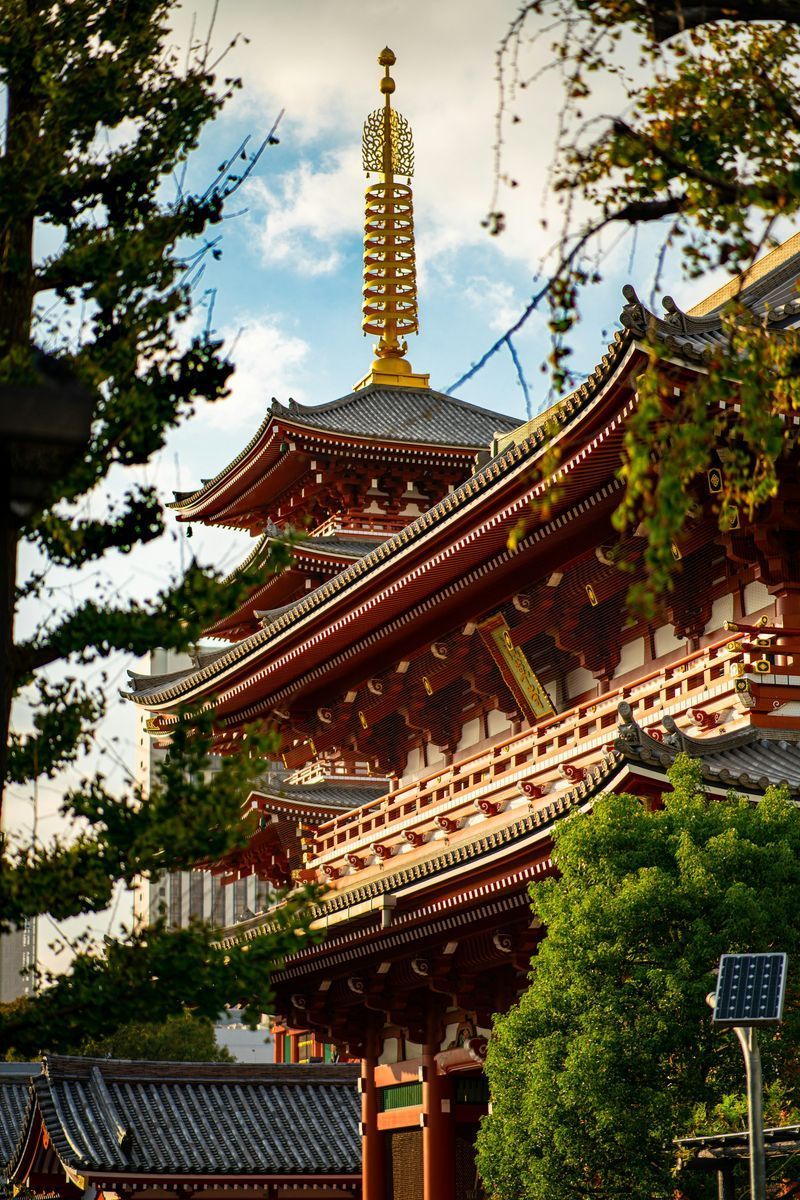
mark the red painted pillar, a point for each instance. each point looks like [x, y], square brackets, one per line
[787, 605]
[787, 615]
[373, 1163]
[438, 1130]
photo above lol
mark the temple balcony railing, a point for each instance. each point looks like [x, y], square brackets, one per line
[528, 769]
[335, 770]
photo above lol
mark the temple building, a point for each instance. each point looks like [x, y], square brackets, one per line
[451, 667]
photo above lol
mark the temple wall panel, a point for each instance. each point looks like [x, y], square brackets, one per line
[721, 611]
[579, 681]
[665, 642]
[755, 596]
[631, 656]
[471, 734]
[497, 723]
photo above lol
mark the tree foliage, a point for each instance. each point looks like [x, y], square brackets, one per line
[183, 1038]
[611, 1053]
[97, 249]
[152, 975]
[704, 145]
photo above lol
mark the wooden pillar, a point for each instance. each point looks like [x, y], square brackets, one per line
[787, 605]
[373, 1159]
[787, 614]
[438, 1130]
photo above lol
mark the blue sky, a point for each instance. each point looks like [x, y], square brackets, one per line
[288, 285]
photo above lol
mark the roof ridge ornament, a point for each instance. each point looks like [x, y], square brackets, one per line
[390, 273]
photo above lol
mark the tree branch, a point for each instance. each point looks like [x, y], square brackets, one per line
[670, 17]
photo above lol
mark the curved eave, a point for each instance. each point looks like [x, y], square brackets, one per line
[304, 559]
[522, 839]
[695, 339]
[231, 492]
[522, 833]
[484, 490]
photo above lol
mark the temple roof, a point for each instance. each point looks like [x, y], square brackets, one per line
[15, 1095]
[515, 458]
[749, 760]
[324, 794]
[332, 545]
[402, 414]
[693, 335]
[408, 417]
[199, 1119]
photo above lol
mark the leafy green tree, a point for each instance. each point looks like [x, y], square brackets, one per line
[611, 1052]
[703, 146]
[95, 265]
[184, 1038]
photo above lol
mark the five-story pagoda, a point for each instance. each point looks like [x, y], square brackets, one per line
[466, 673]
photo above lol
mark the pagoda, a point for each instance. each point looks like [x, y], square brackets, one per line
[351, 472]
[479, 667]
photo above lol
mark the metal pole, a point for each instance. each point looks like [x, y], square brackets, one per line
[752, 1061]
[726, 1189]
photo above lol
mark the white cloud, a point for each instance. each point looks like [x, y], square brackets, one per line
[300, 219]
[327, 84]
[495, 300]
[269, 362]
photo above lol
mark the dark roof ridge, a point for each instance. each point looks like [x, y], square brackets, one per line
[113, 1069]
[82, 1067]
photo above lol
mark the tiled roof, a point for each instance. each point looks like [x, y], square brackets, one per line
[749, 759]
[325, 794]
[418, 415]
[200, 1119]
[15, 1096]
[775, 296]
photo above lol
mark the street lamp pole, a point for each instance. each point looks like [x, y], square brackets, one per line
[748, 1040]
[750, 992]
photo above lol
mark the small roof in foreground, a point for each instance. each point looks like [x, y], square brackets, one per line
[156, 1118]
[15, 1094]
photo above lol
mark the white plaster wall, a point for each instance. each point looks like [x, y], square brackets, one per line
[579, 681]
[470, 735]
[665, 641]
[497, 722]
[755, 597]
[721, 611]
[631, 656]
[391, 1051]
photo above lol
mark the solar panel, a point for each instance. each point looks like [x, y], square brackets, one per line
[750, 989]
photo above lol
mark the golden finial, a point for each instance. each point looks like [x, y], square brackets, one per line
[390, 275]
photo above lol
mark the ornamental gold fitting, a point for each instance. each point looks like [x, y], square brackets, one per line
[390, 274]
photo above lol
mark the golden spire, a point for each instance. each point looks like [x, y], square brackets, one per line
[390, 273]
